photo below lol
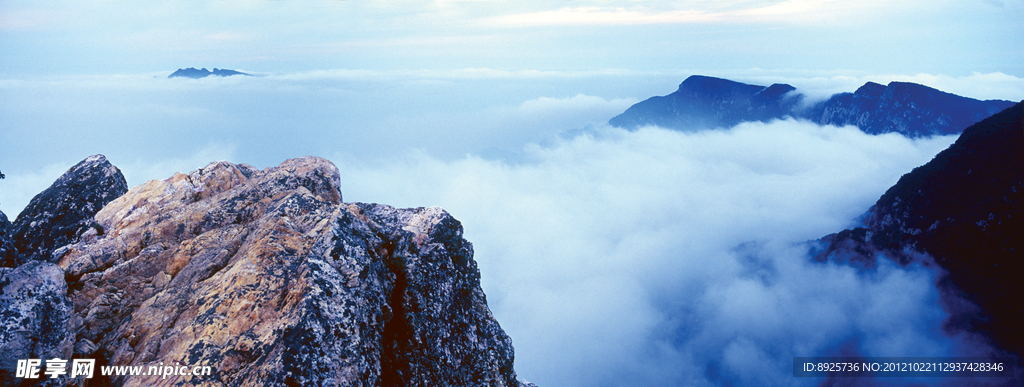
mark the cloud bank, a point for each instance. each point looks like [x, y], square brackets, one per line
[664, 258]
[642, 258]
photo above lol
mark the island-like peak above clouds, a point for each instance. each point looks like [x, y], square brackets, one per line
[907, 108]
[708, 102]
[192, 72]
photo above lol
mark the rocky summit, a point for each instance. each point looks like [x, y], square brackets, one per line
[267, 277]
[61, 213]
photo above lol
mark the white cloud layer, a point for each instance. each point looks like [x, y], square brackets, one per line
[665, 258]
[641, 258]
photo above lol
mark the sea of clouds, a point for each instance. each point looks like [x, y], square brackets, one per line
[612, 258]
[657, 257]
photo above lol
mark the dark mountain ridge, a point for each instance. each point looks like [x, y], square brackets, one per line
[902, 107]
[910, 109]
[707, 102]
[965, 210]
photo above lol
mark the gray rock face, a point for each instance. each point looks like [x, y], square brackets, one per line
[60, 214]
[271, 280]
[36, 313]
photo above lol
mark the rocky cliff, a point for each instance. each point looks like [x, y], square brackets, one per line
[268, 278]
[965, 210]
[910, 109]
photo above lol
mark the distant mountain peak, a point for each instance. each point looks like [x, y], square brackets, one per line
[875, 85]
[708, 102]
[704, 80]
[702, 84]
[907, 108]
[911, 109]
[192, 72]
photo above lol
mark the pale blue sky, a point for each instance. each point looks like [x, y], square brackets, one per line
[950, 37]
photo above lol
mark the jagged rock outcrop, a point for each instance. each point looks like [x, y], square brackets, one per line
[271, 280]
[195, 73]
[965, 209]
[60, 214]
[907, 108]
[708, 102]
[442, 326]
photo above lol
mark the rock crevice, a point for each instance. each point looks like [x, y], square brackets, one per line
[270, 279]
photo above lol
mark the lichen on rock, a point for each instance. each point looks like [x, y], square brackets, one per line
[270, 279]
[36, 314]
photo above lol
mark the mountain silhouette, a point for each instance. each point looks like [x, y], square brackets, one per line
[194, 73]
[914, 110]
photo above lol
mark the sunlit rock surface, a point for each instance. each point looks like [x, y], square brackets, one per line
[271, 280]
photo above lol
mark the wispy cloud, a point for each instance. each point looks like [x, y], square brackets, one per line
[790, 11]
[27, 19]
[602, 16]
